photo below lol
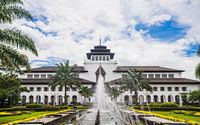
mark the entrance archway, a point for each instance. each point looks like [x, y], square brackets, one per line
[23, 100]
[31, 99]
[46, 100]
[126, 99]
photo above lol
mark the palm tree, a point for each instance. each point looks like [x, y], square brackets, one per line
[197, 70]
[85, 92]
[13, 39]
[133, 82]
[65, 77]
[194, 96]
[115, 92]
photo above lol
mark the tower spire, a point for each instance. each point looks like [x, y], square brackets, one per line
[100, 41]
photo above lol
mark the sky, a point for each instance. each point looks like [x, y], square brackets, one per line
[140, 32]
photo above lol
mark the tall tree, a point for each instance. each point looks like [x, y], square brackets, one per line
[197, 70]
[10, 89]
[13, 39]
[115, 92]
[133, 82]
[194, 96]
[85, 92]
[65, 77]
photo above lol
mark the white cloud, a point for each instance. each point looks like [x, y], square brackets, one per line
[110, 18]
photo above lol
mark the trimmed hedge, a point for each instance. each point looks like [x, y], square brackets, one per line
[154, 104]
[167, 108]
[43, 108]
[166, 104]
[34, 105]
[169, 104]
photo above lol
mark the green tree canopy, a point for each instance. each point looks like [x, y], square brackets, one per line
[194, 96]
[65, 77]
[115, 92]
[11, 40]
[133, 82]
[197, 69]
[85, 92]
[10, 88]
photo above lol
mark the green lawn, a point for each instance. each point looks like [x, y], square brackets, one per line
[18, 117]
[182, 116]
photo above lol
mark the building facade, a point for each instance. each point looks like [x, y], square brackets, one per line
[167, 83]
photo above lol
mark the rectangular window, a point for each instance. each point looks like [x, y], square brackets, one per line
[104, 58]
[38, 88]
[59, 88]
[169, 88]
[43, 76]
[171, 75]
[46, 89]
[154, 88]
[107, 58]
[53, 89]
[50, 75]
[30, 76]
[157, 75]
[164, 75]
[162, 88]
[74, 89]
[176, 88]
[184, 88]
[67, 89]
[31, 89]
[151, 75]
[92, 58]
[36, 76]
[144, 75]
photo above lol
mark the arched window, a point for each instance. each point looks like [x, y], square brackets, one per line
[74, 98]
[162, 97]
[148, 98]
[169, 98]
[100, 58]
[60, 100]
[155, 98]
[46, 100]
[52, 100]
[177, 99]
[126, 99]
[141, 99]
[23, 100]
[38, 99]
[31, 99]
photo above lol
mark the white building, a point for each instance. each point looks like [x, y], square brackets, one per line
[167, 83]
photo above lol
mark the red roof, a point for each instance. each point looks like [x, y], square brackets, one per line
[146, 69]
[162, 81]
[54, 68]
[47, 81]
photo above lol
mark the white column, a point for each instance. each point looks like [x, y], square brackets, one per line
[180, 101]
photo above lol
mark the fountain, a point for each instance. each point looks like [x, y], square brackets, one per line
[105, 110]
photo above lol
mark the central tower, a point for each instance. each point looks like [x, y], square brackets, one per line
[100, 53]
[100, 57]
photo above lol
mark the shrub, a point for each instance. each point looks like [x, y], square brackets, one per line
[63, 107]
[169, 104]
[34, 105]
[154, 104]
[2, 114]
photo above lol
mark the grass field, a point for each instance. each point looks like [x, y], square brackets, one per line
[18, 117]
[182, 116]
